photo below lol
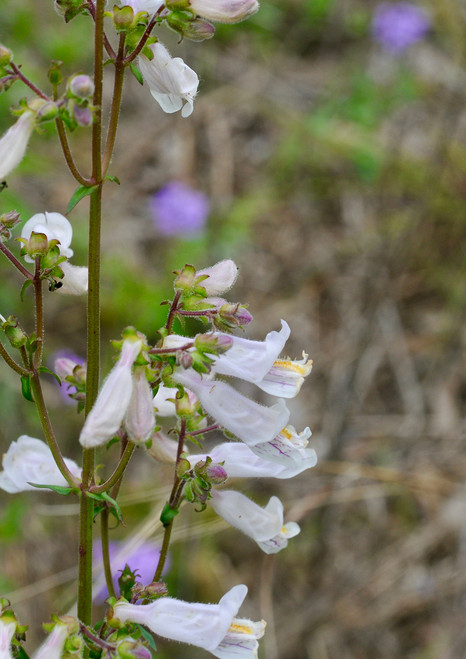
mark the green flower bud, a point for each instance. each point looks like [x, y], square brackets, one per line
[124, 19]
[54, 73]
[14, 332]
[5, 55]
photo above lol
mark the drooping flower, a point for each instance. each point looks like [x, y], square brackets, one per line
[264, 525]
[75, 279]
[224, 11]
[140, 416]
[7, 631]
[220, 277]
[64, 363]
[55, 226]
[150, 6]
[178, 210]
[171, 82]
[239, 461]
[106, 416]
[143, 560]
[212, 627]
[29, 460]
[163, 448]
[13, 144]
[396, 26]
[251, 422]
[52, 647]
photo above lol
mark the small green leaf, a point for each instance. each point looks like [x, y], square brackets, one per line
[113, 179]
[21, 653]
[106, 498]
[26, 387]
[44, 369]
[168, 513]
[27, 283]
[59, 489]
[136, 73]
[80, 192]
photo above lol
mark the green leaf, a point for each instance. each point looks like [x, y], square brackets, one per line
[21, 653]
[59, 489]
[27, 283]
[80, 192]
[44, 369]
[26, 387]
[106, 498]
[148, 636]
[113, 179]
[168, 513]
[136, 73]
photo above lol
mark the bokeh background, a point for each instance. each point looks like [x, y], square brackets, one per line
[330, 143]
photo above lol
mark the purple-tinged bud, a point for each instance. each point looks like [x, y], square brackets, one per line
[83, 115]
[48, 112]
[243, 316]
[184, 359]
[5, 55]
[156, 589]
[216, 474]
[131, 649]
[199, 30]
[81, 85]
[10, 220]
[212, 344]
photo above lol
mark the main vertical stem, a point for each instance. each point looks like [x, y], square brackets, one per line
[93, 327]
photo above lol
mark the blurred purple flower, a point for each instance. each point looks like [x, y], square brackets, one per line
[177, 209]
[396, 26]
[143, 560]
[65, 387]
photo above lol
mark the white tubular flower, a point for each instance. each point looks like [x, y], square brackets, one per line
[7, 631]
[239, 461]
[140, 416]
[164, 401]
[207, 626]
[150, 6]
[163, 448]
[220, 277]
[13, 144]
[170, 80]
[52, 647]
[75, 280]
[29, 460]
[286, 377]
[288, 448]
[224, 11]
[252, 360]
[251, 422]
[106, 417]
[264, 525]
[55, 226]
[241, 640]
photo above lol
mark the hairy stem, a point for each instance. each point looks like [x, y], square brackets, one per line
[28, 82]
[145, 36]
[15, 261]
[11, 362]
[106, 551]
[39, 313]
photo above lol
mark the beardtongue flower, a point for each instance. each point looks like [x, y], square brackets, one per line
[264, 525]
[55, 226]
[239, 461]
[75, 279]
[224, 11]
[288, 448]
[163, 448]
[106, 416]
[13, 144]
[29, 460]
[140, 416]
[150, 6]
[171, 82]
[249, 421]
[7, 631]
[212, 627]
[52, 648]
[219, 277]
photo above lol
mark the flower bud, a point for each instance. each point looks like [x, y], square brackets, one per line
[155, 589]
[47, 112]
[82, 114]
[8, 221]
[37, 245]
[123, 18]
[215, 345]
[131, 649]
[14, 332]
[81, 86]
[68, 8]
[216, 474]
[186, 405]
[195, 29]
[5, 55]
[54, 73]
[182, 466]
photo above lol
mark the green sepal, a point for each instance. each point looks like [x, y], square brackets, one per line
[147, 636]
[136, 73]
[26, 387]
[27, 283]
[44, 369]
[113, 179]
[80, 192]
[59, 489]
[168, 513]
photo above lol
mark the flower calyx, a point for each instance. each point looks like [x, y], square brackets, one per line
[7, 222]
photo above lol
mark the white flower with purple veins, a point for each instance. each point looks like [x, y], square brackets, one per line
[239, 461]
[106, 416]
[224, 11]
[29, 460]
[52, 647]
[212, 627]
[13, 144]
[264, 525]
[288, 448]
[171, 82]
